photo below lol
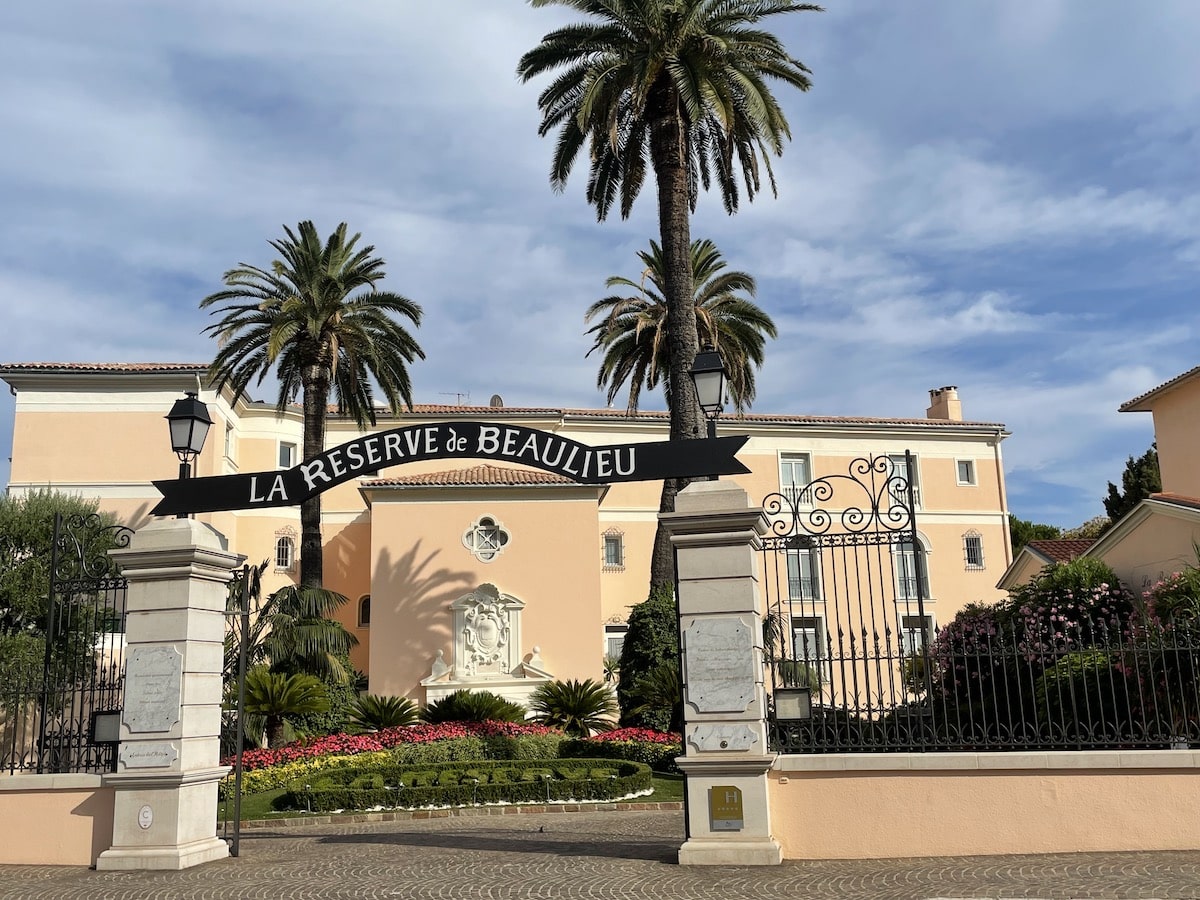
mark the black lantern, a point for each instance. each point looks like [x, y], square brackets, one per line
[189, 421]
[708, 374]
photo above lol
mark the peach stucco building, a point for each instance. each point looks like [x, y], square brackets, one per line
[476, 570]
[1161, 535]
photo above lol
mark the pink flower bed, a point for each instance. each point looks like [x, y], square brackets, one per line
[349, 744]
[645, 735]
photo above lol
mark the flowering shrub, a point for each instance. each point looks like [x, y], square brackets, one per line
[385, 739]
[1166, 636]
[646, 735]
[1069, 607]
[960, 655]
[656, 748]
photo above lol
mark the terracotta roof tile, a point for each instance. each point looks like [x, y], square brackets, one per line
[1061, 549]
[473, 477]
[102, 367]
[1135, 405]
[1177, 499]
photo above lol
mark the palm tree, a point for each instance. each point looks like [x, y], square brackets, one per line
[299, 633]
[681, 85]
[315, 320]
[632, 330]
[277, 697]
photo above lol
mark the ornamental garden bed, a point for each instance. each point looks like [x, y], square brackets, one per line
[354, 786]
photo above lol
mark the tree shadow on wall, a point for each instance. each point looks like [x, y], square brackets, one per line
[413, 590]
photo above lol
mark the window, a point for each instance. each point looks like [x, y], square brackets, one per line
[614, 640]
[966, 471]
[804, 576]
[915, 633]
[809, 652]
[905, 560]
[364, 612]
[795, 473]
[285, 552]
[973, 549]
[287, 455]
[900, 471]
[229, 445]
[614, 551]
[486, 539]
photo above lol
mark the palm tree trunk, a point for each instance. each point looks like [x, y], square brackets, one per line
[316, 400]
[275, 731]
[669, 152]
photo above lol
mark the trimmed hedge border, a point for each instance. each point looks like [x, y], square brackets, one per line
[410, 815]
[463, 784]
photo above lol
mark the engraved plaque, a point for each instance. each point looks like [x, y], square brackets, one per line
[719, 654]
[148, 755]
[153, 679]
[722, 737]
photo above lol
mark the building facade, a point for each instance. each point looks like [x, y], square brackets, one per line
[479, 573]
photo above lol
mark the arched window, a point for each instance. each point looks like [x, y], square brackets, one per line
[912, 580]
[364, 612]
[285, 552]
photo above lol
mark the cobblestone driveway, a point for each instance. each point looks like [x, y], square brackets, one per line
[592, 855]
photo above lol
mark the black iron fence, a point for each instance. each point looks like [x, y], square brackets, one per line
[1097, 683]
[60, 701]
[850, 641]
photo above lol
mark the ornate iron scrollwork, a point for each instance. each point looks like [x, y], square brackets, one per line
[78, 538]
[876, 497]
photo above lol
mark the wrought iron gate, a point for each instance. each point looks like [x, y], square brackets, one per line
[846, 588]
[56, 720]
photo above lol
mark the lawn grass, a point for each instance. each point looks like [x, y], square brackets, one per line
[259, 806]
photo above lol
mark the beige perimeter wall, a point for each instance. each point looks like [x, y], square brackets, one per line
[867, 806]
[54, 820]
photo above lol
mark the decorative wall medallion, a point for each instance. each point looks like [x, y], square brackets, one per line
[487, 639]
[486, 538]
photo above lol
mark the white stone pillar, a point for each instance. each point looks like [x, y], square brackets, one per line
[716, 533]
[165, 813]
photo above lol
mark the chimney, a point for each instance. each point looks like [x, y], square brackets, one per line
[944, 404]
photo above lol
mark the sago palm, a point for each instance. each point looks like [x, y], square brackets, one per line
[631, 331]
[577, 707]
[316, 321]
[372, 712]
[277, 697]
[680, 87]
[473, 706]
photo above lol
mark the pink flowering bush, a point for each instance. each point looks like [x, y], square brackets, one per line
[1165, 651]
[657, 748]
[389, 738]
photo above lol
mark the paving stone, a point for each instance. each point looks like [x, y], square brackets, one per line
[626, 855]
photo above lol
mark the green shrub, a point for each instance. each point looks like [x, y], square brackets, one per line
[353, 787]
[659, 757]
[1083, 695]
[651, 643]
[469, 747]
[473, 706]
[522, 746]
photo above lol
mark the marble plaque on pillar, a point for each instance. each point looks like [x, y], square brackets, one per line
[153, 682]
[719, 655]
[148, 754]
[717, 738]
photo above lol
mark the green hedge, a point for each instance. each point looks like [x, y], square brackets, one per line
[455, 784]
[659, 757]
[463, 749]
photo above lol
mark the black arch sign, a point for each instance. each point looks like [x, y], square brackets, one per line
[453, 440]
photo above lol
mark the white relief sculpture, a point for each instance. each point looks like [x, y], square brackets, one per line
[487, 649]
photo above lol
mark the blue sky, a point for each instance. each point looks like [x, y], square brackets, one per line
[1000, 196]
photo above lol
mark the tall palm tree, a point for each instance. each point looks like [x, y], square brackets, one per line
[632, 329]
[316, 320]
[681, 85]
